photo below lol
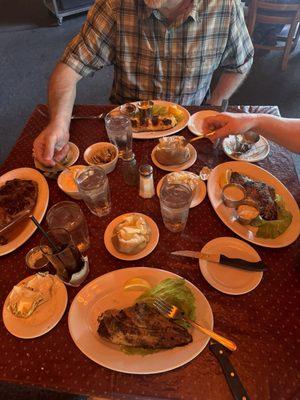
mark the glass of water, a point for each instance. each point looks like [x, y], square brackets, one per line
[175, 201]
[68, 215]
[119, 131]
[93, 186]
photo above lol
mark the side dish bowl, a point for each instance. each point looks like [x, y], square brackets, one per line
[66, 181]
[102, 154]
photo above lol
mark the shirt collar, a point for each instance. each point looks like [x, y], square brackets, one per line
[145, 12]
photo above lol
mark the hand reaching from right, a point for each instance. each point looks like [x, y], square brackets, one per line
[225, 124]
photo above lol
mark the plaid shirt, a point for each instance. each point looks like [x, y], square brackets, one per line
[154, 60]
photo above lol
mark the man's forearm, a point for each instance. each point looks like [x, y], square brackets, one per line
[285, 131]
[226, 86]
[61, 94]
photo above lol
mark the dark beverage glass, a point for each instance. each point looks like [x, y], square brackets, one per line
[65, 257]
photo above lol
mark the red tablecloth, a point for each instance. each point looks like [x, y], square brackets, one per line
[264, 323]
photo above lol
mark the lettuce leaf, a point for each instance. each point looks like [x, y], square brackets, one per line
[179, 117]
[275, 228]
[173, 291]
[159, 110]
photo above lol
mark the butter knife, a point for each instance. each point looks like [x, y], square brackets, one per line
[20, 217]
[221, 259]
[221, 353]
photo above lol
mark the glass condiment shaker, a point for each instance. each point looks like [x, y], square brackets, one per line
[146, 181]
[130, 170]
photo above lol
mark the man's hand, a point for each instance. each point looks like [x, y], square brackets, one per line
[51, 143]
[228, 124]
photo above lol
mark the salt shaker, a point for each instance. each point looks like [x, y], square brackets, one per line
[130, 169]
[146, 182]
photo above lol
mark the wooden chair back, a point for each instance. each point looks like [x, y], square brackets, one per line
[286, 14]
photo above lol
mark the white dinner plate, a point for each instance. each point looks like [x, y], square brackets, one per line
[158, 134]
[227, 279]
[106, 292]
[195, 124]
[178, 167]
[199, 194]
[246, 231]
[43, 319]
[109, 231]
[258, 151]
[25, 229]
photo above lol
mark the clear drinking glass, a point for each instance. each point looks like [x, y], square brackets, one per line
[175, 201]
[65, 257]
[93, 186]
[68, 215]
[119, 131]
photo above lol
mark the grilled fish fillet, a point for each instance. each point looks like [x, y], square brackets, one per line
[16, 195]
[263, 194]
[142, 326]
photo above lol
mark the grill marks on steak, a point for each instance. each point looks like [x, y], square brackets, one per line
[142, 326]
[263, 194]
[16, 195]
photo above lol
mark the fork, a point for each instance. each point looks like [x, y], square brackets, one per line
[172, 312]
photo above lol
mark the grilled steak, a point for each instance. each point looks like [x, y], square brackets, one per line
[263, 194]
[142, 326]
[15, 196]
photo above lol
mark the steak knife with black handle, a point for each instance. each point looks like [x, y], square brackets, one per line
[256, 266]
[221, 353]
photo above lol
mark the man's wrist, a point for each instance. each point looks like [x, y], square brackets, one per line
[60, 124]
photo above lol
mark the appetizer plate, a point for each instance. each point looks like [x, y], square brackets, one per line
[246, 231]
[130, 257]
[26, 228]
[106, 292]
[258, 152]
[195, 124]
[158, 134]
[179, 167]
[43, 319]
[199, 194]
[227, 279]
[71, 159]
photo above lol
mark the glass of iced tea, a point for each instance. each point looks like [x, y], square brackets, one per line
[65, 257]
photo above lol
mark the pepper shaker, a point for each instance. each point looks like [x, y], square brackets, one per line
[130, 169]
[146, 181]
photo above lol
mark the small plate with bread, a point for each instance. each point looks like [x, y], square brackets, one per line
[35, 305]
[173, 154]
[131, 236]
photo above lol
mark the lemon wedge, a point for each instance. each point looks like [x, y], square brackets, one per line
[138, 284]
[225, 178]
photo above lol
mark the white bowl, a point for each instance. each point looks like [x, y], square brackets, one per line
[64, 184]
[94, 149]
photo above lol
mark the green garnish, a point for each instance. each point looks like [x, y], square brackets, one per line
[275, 228]
[159, 110]
[173, 291]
